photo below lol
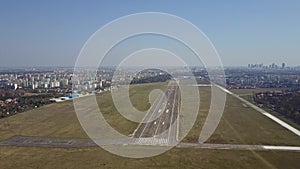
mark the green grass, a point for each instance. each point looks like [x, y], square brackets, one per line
[139, 94]
[140, 100]
[247, 95]
[239, 125]
[60, 120]
[194, 133]
[88, 158]
[54, 120]
[281, 117]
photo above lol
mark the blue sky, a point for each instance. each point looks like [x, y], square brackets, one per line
[51, 33]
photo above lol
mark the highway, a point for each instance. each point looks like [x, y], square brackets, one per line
[163, 129]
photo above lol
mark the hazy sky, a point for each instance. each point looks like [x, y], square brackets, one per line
[51, 33]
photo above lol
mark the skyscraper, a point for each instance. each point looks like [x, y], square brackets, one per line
[283, 65]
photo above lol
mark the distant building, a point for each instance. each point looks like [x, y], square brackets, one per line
[15, 86]
[74, 95]
[283, 65]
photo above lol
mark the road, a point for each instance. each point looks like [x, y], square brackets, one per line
[51, 142]
[163, 129]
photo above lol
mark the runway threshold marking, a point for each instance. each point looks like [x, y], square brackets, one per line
[54, 142]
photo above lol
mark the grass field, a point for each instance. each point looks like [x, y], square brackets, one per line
[54, 120]
[247, 94]
[89, 158]
[60, 120]
[239, 125]
[139, 98]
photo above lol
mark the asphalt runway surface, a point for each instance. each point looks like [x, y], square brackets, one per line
[163, 129]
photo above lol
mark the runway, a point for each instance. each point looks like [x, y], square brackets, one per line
[162, 130]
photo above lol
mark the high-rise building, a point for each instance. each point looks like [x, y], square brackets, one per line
[283, 65]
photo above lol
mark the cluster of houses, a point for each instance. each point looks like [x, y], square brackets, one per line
[4, 105]
[8, 101]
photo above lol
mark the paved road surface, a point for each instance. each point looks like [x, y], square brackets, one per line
[162, 130]
[50, 142]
